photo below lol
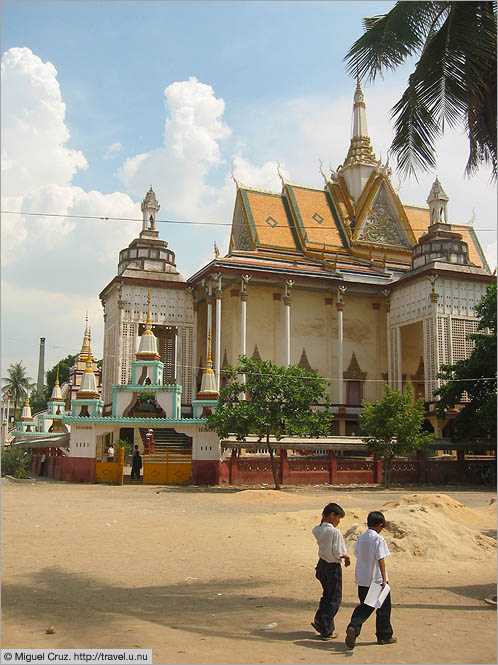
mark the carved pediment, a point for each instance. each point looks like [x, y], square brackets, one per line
[304, 362]
[381, 224]
[255, 354]
[354, 372]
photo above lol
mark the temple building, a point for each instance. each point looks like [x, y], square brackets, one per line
[347, 280]
[147, 265]
[343, 279]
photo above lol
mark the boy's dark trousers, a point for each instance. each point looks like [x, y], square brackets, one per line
[361, 613]
[330, 577]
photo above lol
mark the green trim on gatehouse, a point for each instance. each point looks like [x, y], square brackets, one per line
[144, 422]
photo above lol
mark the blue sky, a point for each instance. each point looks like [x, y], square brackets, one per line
[171, 94]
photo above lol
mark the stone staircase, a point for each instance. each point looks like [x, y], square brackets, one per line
[167, 440]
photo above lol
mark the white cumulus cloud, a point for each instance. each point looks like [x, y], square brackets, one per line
[112, 150]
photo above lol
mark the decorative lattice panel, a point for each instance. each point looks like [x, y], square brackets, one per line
[442, 341]
[128, 351]
[186, 341]
[430, 358]
[462, 346]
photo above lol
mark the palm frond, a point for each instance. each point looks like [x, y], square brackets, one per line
[454, 81]
[389, 39]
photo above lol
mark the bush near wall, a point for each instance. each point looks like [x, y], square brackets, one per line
[16, 462]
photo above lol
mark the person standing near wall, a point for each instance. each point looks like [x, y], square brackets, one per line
[43, 464]
[136, 464]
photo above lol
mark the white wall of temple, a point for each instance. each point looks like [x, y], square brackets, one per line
[205, 445]
[169, 307]
[83, 441]
[123, 400]
[168, 403]
[459, 297]
[314, 328]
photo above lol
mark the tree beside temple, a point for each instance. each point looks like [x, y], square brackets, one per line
[475, 376]
[264, 399]
[393, 426]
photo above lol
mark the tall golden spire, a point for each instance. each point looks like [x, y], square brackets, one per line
[209, 361]
[149, 321]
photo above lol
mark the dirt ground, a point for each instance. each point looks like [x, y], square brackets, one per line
[196, 574]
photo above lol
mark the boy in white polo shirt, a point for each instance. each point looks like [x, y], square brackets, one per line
[370, 551]
[331, 550]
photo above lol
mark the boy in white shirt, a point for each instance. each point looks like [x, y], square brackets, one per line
[370, 551]
[331, 550]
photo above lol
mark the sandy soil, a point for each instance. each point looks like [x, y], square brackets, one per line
[196, 574]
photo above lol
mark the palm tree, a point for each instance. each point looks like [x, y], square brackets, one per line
[17, 383]
[453, 81]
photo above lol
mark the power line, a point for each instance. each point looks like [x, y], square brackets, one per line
[185, 221]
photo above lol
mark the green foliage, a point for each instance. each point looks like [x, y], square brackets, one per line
[64, 369]
[147, 398]
[17, 383]
[278, 403]
[15, 462]
[477, 376]
[128, 447]
[453, 82]
[38, 400]
[393, 426]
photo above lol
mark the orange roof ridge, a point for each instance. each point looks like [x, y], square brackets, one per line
[260, 191]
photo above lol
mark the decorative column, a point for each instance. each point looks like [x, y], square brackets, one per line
[217, 345]
[387, 294]
[118, 366]
[287, 301]
[235, 321]
[243, 320]
[175, 376]
[209, 322]
[329, 301]
[341, 290]
[194, 368]
[434, 299]
[243, 314]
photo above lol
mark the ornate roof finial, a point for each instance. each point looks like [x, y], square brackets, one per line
[236, 181]
[57, 376]
[438, 203]
[324, 175]
[216, 250]
[280, 174]
[85, 347]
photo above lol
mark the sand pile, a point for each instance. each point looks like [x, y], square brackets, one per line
[432, 527]
[443, 504]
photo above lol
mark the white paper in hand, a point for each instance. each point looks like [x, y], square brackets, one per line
[376, 595]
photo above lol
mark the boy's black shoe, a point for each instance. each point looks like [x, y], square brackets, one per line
[351, 636]
[390, 640]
